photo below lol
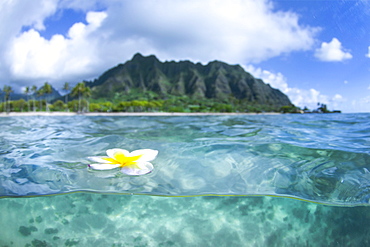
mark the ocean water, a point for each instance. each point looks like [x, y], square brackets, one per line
[240, 180]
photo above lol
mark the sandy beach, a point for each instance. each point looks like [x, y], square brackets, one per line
[18, 114]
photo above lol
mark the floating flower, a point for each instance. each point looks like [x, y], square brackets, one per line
[134, 163]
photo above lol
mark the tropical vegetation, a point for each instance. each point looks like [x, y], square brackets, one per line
[145, 84]
[81, 102]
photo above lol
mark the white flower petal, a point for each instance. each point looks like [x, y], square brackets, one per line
[103, 166]
[146, 154]
[99, 159]
[113, 152]
[138, 169]
[139, 159]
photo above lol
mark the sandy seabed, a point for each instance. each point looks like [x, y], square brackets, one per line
[85, 219]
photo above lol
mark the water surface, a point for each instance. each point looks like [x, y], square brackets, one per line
[321, 158]
[239, 160]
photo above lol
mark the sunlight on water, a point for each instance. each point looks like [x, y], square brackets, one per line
[114, 220]
[321, 158]
[317, 158]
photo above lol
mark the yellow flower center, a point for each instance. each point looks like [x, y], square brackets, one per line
[123, 160]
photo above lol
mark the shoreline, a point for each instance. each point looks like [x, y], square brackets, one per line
[21, 114]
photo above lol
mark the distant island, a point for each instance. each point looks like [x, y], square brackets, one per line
[144, 84]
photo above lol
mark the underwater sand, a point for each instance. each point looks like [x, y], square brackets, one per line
[116, 220]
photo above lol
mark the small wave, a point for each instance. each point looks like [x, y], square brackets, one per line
[318, 158]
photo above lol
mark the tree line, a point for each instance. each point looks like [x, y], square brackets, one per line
[133, 102]
[32, 104]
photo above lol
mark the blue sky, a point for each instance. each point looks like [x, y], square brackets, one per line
[349, 23]
[312, 50]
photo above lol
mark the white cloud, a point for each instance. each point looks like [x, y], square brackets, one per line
[360, 105]
[332, 52]
[60, 58]
[338, 97]
[16, 14]
[368, 53]
[276, 80]
[299, 97]
[231, 31]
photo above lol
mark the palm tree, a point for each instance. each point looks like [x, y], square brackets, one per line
[33, 90]
[7, 90]
[87, 94]
[81, 90]
[27, 91]
[46, 89]
[40, 93]
[66, 88]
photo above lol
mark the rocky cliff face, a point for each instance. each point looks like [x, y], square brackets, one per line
[215, 80]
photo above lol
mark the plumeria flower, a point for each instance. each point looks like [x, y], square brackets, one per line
[134, 163]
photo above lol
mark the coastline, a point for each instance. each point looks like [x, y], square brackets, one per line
[22, 114]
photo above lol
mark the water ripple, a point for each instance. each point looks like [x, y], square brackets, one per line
[320, 158]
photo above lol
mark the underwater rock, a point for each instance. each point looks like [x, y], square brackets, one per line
[38, 219]
[26, 231]
[71, 242]
[51, 231]
[65, 222]
[39, 243]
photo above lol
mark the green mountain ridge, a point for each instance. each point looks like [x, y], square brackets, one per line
[216, 80]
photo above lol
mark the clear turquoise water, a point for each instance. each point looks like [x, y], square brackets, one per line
[316, 158]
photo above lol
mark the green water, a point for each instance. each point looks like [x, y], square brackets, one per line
[322, 161]
[114, 220]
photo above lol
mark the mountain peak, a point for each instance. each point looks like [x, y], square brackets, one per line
[217, 80]
[138, 57]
